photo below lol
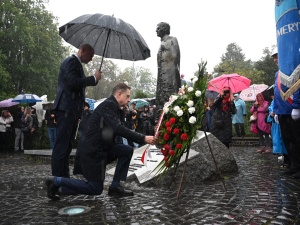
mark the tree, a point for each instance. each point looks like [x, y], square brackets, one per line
[266, 67]
[32, 46]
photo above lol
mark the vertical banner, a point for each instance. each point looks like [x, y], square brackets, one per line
[288, 44]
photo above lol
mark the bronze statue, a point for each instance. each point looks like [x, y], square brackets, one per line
[168, 62]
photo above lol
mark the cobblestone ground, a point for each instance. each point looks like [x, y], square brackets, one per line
[258, 194]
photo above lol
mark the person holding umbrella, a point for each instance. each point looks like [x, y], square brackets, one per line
[69, 104]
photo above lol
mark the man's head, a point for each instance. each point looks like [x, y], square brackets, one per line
[132, 105]
[275, 55]
[162, 29]
[86, 106]
[122, 94]
[86, 53]
[236, 96]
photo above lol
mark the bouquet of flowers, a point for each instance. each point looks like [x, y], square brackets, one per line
[182, 118]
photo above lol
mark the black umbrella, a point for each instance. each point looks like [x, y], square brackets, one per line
[268, 93]
[109, 36]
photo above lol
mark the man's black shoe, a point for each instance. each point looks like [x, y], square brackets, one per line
[52, 189]
[119, 191]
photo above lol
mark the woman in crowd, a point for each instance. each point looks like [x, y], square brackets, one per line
[260, 108]
[26, 126]
[5, 130]
[221, 120]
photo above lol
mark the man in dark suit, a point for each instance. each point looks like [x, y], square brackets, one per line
[69, 104]
[97, 148]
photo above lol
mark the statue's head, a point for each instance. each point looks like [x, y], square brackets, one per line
[162, 29]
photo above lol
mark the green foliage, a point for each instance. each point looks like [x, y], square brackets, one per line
[31, 45]
[140, 94]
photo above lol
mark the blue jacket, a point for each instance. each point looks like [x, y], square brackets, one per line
[240, 111]
[70, 96]
[281, 107]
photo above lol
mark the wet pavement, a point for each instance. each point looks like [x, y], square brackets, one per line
[258, 194]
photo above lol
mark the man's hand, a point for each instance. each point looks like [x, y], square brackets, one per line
[150, 140]
[295, 114]
[98, 75]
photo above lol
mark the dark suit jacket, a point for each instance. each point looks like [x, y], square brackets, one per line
[99, 136]
[70, 96]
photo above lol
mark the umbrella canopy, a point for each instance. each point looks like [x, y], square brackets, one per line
[211, 94]
[27, 98]
[250, 93]
[234, 81]
[8, 103]
[139, 102]
[109, 36]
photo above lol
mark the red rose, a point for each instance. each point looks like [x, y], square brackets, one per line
[179, 146]
[171, 152]
[167, 137]
[166, 158]
[184, 137]
[167, 147]
[168, 124]
[167, 164]
[169, 130]
[172, 120]
[164, 152]
[176, 131]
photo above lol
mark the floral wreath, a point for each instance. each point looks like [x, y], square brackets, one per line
[182, 117]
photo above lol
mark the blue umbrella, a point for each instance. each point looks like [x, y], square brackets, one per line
[27, 98]
[139, 102]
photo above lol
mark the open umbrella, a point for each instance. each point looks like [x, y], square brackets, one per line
[7, 103]
[250, 93]
[27, 98]
[268, 93]
[139, 102]
[109, 36]
[234, 81]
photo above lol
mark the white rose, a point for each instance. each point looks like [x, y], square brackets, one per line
[190, 103]
[176, 108]
[192, 120]
[190, 89]
[179, 112]
[166, 110]
[174, 97]
[194, 79]
[198, 93]
[191, 110]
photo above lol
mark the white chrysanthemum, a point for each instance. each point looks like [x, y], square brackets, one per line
[166, 110]
[191, 110]
[179, 112]
[198, 93]
[190, 103]
[192, 120]
[190, 89]
[176, 108]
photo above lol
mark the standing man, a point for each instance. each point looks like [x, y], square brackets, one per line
[168, 63]
[97, 148]
[238, 118]
[51, 125]
[288, 44]
[69, 104]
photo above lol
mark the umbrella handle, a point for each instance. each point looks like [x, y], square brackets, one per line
[104, 49]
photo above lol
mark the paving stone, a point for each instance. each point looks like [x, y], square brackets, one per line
[257, 194]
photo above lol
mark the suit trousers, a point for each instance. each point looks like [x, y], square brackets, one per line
[65, 134]
[123, 153]
[290, 130]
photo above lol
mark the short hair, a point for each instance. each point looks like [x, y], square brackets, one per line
[87, 47]
[165, 27]
[87, 104]
[120, 86]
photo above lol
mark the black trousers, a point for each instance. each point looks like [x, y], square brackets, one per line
[65, 135]
[290, 131]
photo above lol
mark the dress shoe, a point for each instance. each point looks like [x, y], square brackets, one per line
[52, 189]
[119, 191]
[296, 175]
[261, 150]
